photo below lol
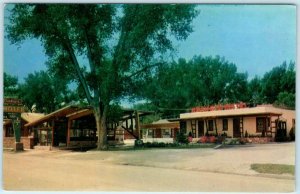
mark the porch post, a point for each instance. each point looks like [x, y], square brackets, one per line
[68, 132]
[206, 126]
[52, 141]
[137, 124]
[216, 128]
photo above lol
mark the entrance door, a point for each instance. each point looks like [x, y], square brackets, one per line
[158, 133]
[200, 128]
[236, 127]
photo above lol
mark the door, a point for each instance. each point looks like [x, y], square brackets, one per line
[200, 128]
[236, 127]
[158, 133]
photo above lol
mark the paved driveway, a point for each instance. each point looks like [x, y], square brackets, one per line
[149, 170]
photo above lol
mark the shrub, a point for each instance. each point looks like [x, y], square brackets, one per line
[212, 139]
[224, 134]
[161, 144]
[138, 143]
[280, 135]
[182, 138]
[246, 134]
[292, 134]
[203, 139]
[148, 144]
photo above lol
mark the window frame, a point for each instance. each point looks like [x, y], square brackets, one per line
[210, 125]
[225, 124]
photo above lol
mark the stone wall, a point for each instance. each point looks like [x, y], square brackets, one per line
[9, 142]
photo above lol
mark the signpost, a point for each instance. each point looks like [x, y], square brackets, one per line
[13, 108]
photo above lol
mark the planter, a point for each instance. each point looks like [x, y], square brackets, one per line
[258, 140]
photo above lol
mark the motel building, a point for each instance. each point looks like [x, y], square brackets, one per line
[237, 120]
[69, 127]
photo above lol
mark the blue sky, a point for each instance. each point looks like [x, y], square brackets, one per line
[254, 37]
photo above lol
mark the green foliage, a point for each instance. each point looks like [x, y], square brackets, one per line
[279, 85]
[148, 107]
[292, 134]
[182, 138]
[200, 81]
[120, 44]
[114, 113]
[44, 92]
[285, 99]
[138, 143]
[10, 86]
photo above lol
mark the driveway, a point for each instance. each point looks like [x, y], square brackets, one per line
[203, 169]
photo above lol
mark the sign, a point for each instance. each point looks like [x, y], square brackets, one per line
[13, 102]
[219, 107]
[13, 108]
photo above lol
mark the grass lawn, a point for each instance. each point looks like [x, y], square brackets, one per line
[274, 168]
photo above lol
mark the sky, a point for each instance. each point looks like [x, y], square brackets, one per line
[254, 37]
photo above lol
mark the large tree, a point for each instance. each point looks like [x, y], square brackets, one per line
[200, 81]
[277, 86]
[105, 47]
[10, 85]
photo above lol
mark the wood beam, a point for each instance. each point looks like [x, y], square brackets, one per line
[137, 124]
[216, 128]
[68, 132]
[79, 114]
[206, 125]
[53, 125]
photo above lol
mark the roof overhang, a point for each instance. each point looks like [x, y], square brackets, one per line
[161, 125]
[256, 111]
[59, 113]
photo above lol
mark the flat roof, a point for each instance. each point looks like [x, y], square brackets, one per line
[232, 112]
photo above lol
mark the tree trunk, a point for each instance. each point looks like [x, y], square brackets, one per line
[101, 129]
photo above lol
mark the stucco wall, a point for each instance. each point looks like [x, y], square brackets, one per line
[249, 123]
[219, 122]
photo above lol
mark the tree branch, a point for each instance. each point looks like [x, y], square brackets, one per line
[71, 52]
[142, 70]
[92, 66]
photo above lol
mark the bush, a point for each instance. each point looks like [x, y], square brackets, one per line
[280, 135]
[138, 143]
[212, 139]
[182, 138]
[292, 134]
[203, 139]
[159, 144]
[246, 134]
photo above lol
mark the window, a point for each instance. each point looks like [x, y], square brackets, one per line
[262, 124]
[210, 125]
[225, 125]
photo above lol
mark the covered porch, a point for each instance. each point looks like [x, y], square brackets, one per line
[258, 121]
